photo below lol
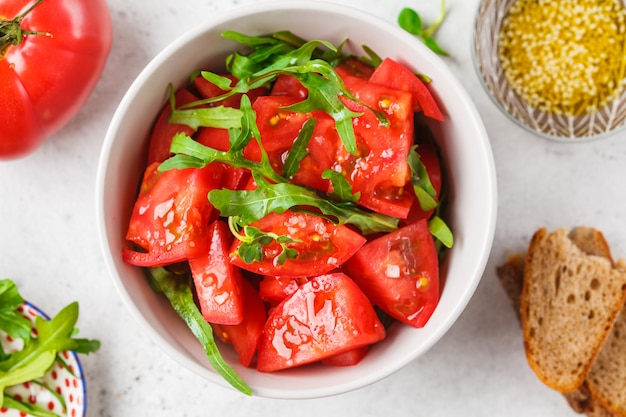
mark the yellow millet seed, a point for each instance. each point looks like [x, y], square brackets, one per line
[567, 56]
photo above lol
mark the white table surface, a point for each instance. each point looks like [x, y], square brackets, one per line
[49, 247]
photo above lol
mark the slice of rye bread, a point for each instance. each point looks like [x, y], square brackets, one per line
[569, 302]
[511, 276]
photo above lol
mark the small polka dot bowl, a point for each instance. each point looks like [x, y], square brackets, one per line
[557, 69]
[61, 391]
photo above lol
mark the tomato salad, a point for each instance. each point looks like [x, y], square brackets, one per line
[290, 205]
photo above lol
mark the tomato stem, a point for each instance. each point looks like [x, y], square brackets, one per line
[11, 32]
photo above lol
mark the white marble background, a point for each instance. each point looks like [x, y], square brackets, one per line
[49, 246]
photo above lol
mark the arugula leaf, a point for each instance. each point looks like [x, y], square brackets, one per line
[15, 325]
[440, 230]
[194, 117]
[222, 82]
[299, 149]
[11, 321]
[29, 409]
[372, 58]
[426, 193]
[333, 55]
[177, 289]
[295, 58]
[264, 64]
[191, 154]
[252, 205]
[10, 298]
[253, 41]
[422, 186]
[342, 190]
[218, 117]
[249, 128]
[410, 21]
[32, 368]
[52, 391]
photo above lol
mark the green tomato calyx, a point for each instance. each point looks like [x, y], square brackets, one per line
[12, 33]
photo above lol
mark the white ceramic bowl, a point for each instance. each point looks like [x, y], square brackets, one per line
[462, 139]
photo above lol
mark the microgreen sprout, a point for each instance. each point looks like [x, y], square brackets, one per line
[253, 240]
[411, 21]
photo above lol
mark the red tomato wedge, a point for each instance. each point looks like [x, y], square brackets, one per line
[348, 358]
[279, 127]
[218, 139]
[355, 68]
[276, 289]
[326, 316]
[399, 272]
[164, 131]
[322, 154]
[321, 245]
[171, 215]
[245, 336]
[379, 170]
[394, 75]
[216, 280]
[213, 138]
[287, 85]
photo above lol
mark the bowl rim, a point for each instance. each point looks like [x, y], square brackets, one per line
[300, 6]
[478, 67]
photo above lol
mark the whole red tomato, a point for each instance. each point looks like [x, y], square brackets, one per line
[52, 53]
